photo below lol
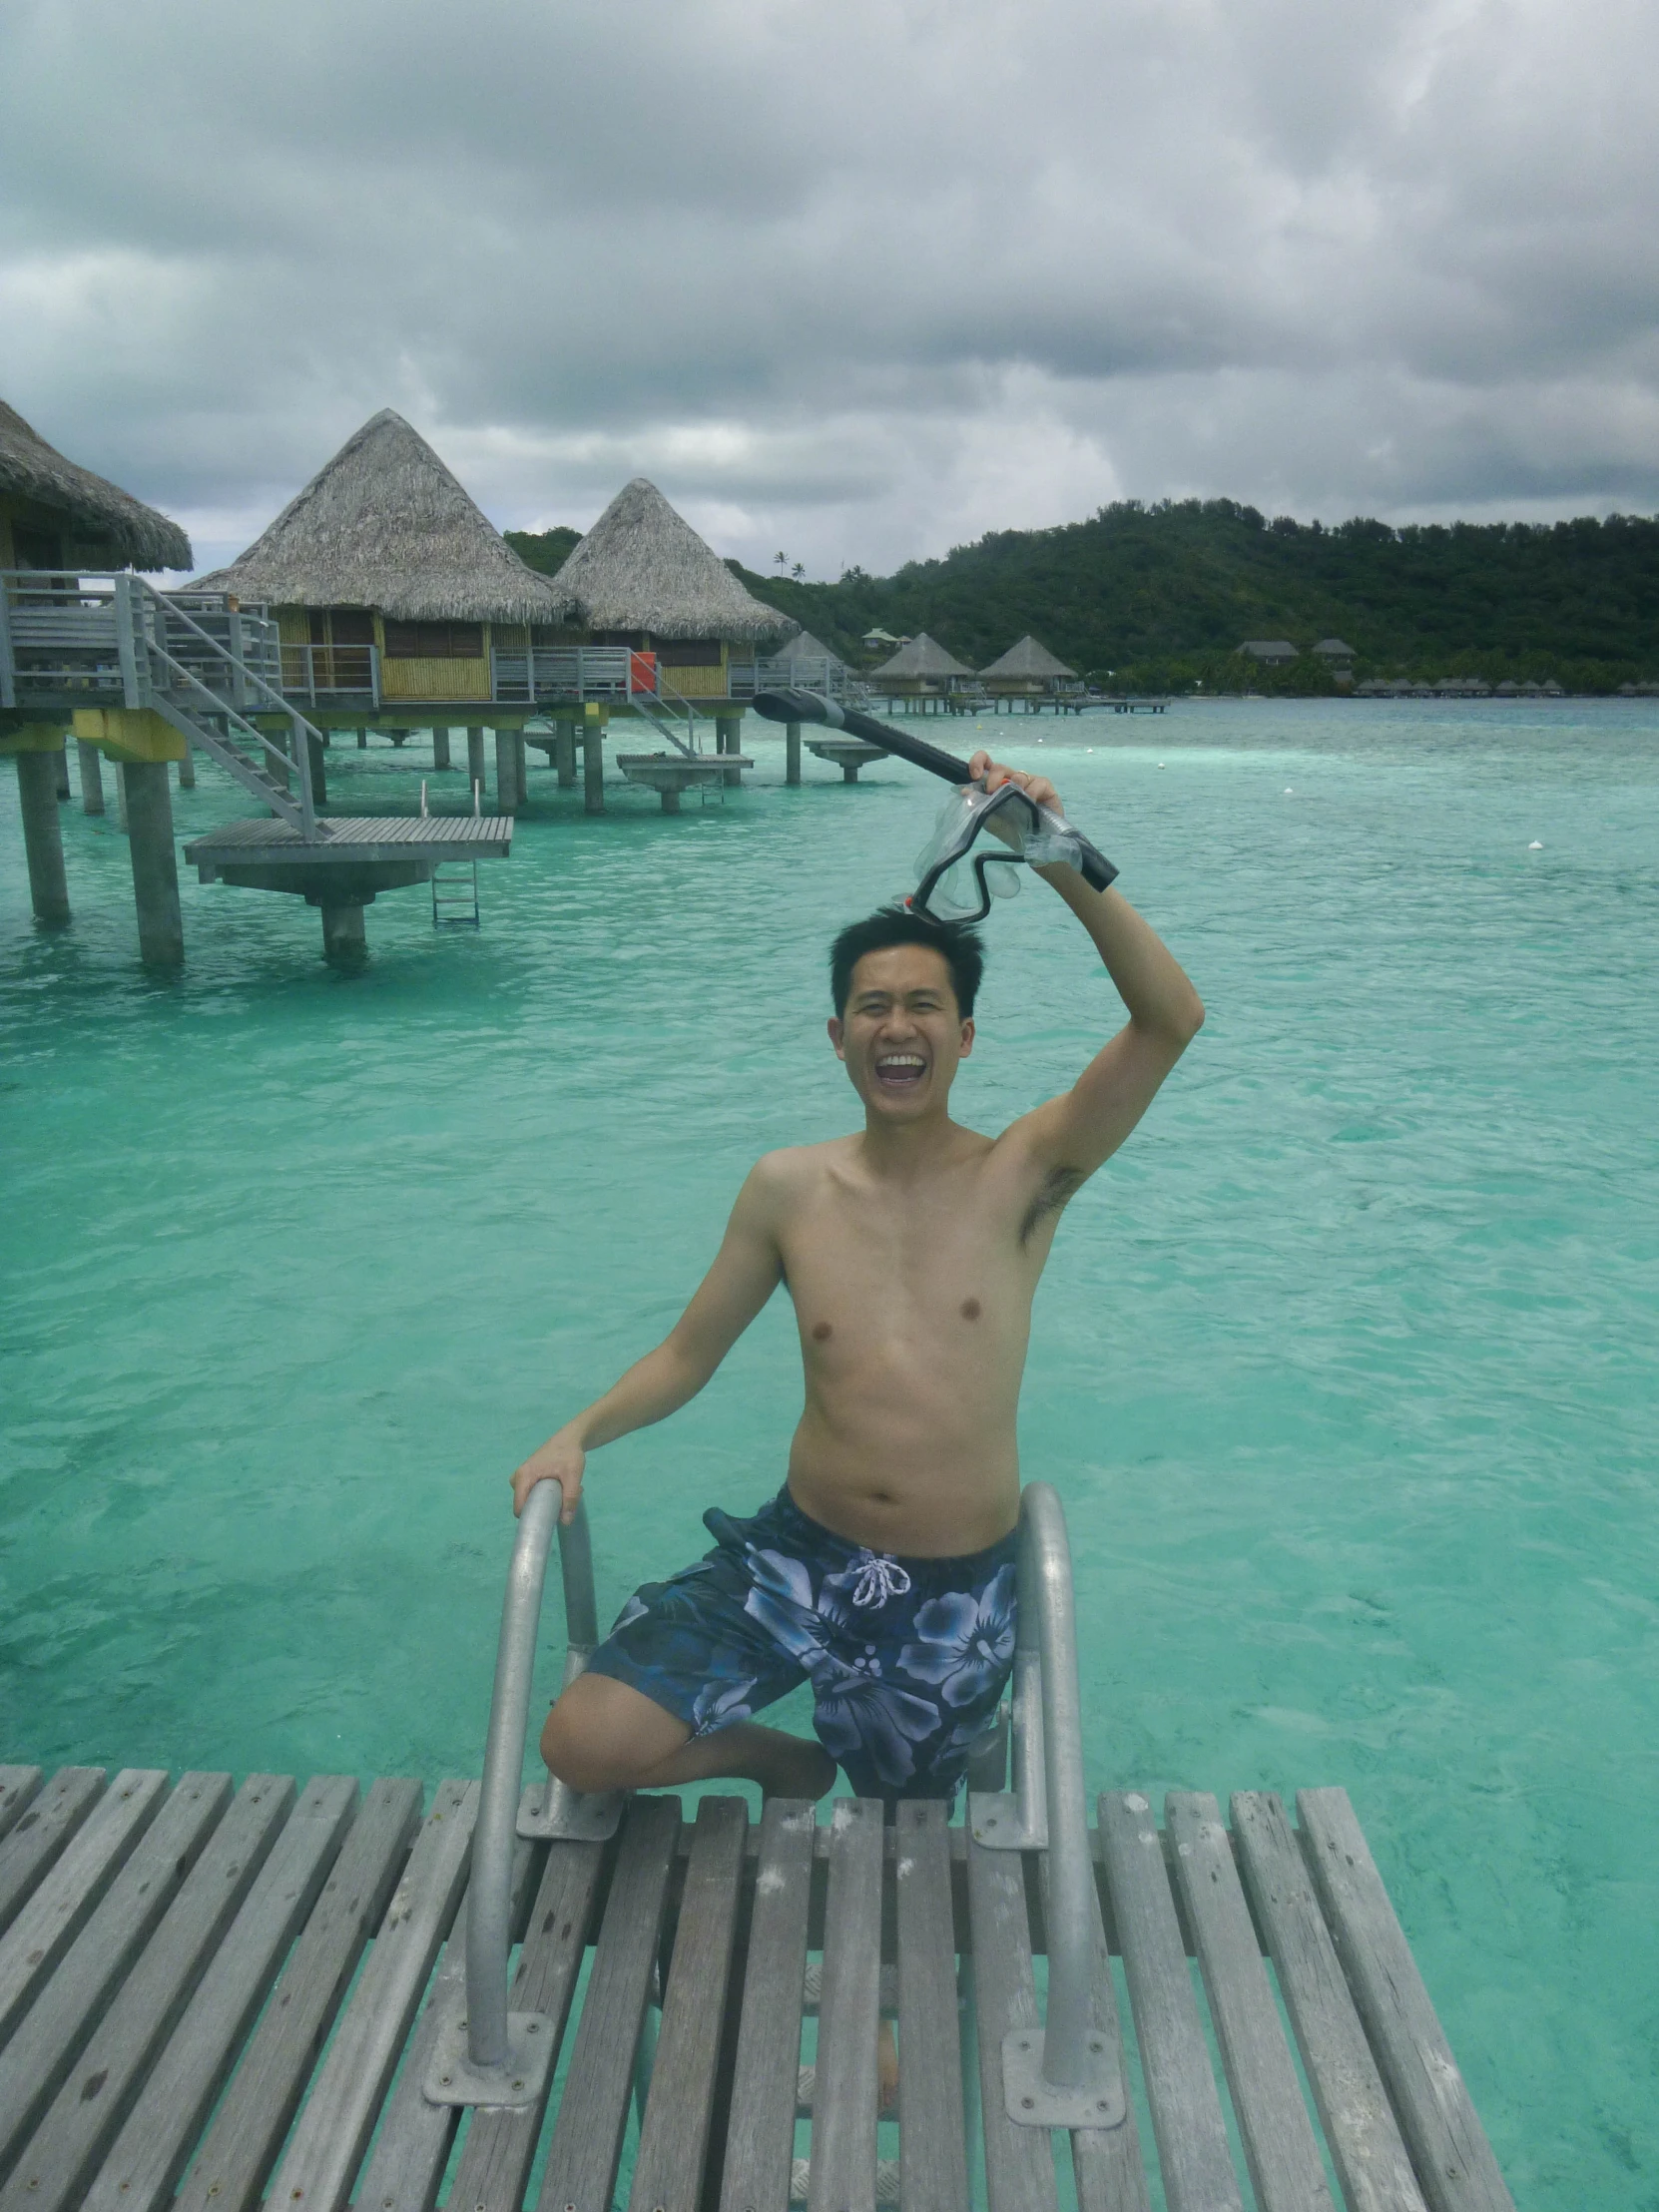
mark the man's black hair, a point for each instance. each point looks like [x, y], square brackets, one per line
[956, 943]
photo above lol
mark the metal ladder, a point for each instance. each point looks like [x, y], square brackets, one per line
[1061, 2075]
[455, 896]
[662, 709]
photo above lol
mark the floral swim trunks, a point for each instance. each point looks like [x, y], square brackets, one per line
[908, 1658]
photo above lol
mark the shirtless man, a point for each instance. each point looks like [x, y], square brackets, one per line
[884, 1570]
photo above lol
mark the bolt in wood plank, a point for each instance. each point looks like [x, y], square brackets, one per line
[1106, 2162]
[1279, 2142]
[38, 1834]
[844, 2097]
[236, 2157]
[1453, 2159]
[68, 1895]
[759, 2142]
[55, 2167]
[674, 2135]
[332, 2133]
[932, 2154]
[593, 2113]
[1193, 2152]
[1019, 2165]
[18, 1786]
[33, 2065]
[412, 2148]
[151, 2151]
[1366, 2144]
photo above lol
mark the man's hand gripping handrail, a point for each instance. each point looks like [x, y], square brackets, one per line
[1064, 2074]
[491, 2057]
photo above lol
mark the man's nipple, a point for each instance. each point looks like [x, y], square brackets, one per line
[821, 1333]
[971, 1309]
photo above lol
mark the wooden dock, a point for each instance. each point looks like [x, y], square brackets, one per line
[216, 1999]
[351, 840]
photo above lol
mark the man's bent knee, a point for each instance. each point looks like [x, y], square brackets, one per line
[603, 1734]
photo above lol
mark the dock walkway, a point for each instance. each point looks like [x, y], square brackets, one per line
[218, 1999]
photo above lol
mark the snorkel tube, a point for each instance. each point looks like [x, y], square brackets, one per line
[1042, 837]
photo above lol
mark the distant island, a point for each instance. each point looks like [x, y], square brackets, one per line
[1160, 598]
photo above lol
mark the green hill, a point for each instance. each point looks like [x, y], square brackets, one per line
[1162, 596]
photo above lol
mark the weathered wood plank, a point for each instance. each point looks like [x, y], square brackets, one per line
[760, 2141]
[18, 1785]
[332, 2133]
[932, 2155]
[843, 2098]
[1019, 2165]
[1106, 2162]
[38, 1834]
[68, 1895]
[1280, 2147]
[149, 2152]
[412, 2148]
[674, 2135]
[34, 2063]
[230, 2172]
[56, 2165]
[587, 2137]
[1366, 2145]
[1193, 2154]
[1449, 2146]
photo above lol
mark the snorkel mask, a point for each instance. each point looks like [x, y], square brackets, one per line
[955, 883]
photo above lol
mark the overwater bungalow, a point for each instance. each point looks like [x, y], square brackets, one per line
[1028, 673]
[393, 592]
[923, 678]
[806, 662]
[59, 523]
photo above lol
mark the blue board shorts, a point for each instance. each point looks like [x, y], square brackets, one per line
[908, 1658]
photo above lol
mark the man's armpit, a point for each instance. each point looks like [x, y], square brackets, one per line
[1057, 1187]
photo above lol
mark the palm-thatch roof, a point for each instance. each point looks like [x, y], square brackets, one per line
[111, 519]
[807, 648]
[1028, 658]
[386, 525]
[923, 657]
[643, 567]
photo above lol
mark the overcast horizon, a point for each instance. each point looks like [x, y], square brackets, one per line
[855, 284]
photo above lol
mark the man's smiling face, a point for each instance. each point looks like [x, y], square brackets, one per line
[901, 1036]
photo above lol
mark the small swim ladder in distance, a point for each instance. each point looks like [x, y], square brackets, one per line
[1063, 2074]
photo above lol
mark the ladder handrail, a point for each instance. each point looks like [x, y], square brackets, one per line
[1052, 1764]
[489, 1896]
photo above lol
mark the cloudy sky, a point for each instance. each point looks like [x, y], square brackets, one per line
[857, 280]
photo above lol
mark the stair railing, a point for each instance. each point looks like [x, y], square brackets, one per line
[139, 646]
[1063, 2074]
[485, 2054]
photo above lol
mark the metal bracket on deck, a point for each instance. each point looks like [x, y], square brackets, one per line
[555, 1811]
[452, 2079]
[1032, 2102]
[997, 1821]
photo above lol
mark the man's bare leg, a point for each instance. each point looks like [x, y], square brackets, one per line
[604, 1735]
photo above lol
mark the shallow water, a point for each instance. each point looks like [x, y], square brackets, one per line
[1344, 1368]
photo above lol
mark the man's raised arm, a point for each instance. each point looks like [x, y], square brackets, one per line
[747, 1270]
[1073, 1134]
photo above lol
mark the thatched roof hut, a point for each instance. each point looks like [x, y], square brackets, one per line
[804, 647]
[923, 660]
[1028, 663]
[642, 569]
[45, 497]
[386, 525]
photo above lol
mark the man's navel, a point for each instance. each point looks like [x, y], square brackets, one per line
[821, 1333]
[971, 1309]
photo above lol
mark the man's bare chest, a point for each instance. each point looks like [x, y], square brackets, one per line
[867, 1265]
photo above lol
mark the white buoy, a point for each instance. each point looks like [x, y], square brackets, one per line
[1160, 764]
[1537, 846]
[1289, 792]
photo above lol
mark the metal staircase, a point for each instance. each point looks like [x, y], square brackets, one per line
[663, 708]
[196, 659]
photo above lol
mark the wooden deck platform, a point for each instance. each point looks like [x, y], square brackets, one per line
[218, 1999]
[351, 841]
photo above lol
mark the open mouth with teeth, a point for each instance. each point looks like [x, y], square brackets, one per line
[899, 1071]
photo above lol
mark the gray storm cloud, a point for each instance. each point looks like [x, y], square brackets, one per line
[855, 281]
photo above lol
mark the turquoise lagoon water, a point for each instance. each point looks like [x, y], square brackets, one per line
[1344, 1368]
